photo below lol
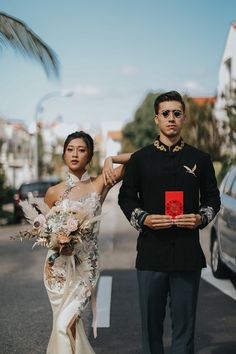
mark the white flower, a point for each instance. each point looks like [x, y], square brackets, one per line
[39, 221]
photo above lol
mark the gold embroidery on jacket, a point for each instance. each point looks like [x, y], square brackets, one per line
[179, 147]
[158, 146]
[161, 147]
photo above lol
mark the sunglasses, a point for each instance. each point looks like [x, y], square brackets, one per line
[176, 113]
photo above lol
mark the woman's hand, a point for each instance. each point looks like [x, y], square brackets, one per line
[67, 250]
[109, 176]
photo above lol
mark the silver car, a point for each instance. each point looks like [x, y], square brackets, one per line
[223, 229]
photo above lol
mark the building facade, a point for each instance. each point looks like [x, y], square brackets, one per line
[226, 90]
[16, 153]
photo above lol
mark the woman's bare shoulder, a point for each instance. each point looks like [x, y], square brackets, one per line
[57, 188]
[53, 193]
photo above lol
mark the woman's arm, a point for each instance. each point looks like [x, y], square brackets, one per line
[50, 197]
[111, 175]
[102, 187]
[121, 158]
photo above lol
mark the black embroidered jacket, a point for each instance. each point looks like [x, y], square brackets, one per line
[150, 172]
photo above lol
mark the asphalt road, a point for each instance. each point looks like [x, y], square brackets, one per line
[25, 314]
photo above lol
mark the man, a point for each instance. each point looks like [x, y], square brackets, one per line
[169, 255]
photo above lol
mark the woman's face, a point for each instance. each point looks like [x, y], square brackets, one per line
[76, 155]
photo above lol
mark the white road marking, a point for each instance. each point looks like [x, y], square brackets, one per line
[104, 301]
[222, 284]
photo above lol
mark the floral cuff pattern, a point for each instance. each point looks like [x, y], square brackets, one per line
[207, 214]
[137, 218]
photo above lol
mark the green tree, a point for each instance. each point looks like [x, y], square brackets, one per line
[20, 37]
[229, 131]
[17, 35]
[230, 108]
[142, 130]
[200, 130]
[4, 189]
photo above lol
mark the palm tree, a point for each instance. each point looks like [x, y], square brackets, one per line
[20, 37]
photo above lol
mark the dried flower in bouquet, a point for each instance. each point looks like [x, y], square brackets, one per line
[58, 227]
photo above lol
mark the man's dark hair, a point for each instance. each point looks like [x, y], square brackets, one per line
[80, 135]
[168, 96]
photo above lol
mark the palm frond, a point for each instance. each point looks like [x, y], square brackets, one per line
[40, 204]
[20, 37]
[29, 211]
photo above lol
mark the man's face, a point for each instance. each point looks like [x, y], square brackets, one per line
[170, 118]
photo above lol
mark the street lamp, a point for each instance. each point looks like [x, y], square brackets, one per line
[38, 110]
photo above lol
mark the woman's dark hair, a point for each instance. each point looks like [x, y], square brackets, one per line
[168, 96]
[85, 137]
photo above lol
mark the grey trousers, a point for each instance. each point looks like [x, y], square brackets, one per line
[154, 289]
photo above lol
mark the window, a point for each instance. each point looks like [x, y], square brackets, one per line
[233, 190]
[229, 181]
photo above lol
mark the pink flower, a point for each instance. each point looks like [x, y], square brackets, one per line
[71, 224]
[62, 239]
[39, 221]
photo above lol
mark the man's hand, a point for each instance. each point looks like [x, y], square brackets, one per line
[156, 222]
[188, 221]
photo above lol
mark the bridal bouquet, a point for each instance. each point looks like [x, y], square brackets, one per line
[58, 227]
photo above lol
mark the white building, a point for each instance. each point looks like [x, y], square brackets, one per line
[111, 138]
[227, 78]
[16, 152]
[54, 135]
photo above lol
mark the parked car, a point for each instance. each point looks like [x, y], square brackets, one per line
[223, 229]
[38, 190]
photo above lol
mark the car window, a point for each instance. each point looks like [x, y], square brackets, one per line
[40, 187]
[25, 188]
[233, 190]
[229, 181]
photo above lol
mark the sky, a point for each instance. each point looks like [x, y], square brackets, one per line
[112, 53]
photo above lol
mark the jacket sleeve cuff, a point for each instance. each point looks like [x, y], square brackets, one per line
[137, 218]
[207, 215]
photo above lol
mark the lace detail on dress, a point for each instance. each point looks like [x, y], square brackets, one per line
[71, 281]
[56, 274]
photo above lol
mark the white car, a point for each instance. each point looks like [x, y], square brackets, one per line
[223, 229]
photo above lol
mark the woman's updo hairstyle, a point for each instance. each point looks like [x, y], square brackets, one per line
[85, 137]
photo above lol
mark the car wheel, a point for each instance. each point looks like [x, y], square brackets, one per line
[219, 270]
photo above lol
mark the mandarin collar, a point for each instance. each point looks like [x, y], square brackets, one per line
[165, 148]
[71, 179]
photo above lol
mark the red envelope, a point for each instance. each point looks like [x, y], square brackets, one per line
[174, 203]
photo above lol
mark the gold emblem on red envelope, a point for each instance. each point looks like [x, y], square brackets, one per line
[174, 203]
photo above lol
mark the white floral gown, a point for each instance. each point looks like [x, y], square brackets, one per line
[70, 284]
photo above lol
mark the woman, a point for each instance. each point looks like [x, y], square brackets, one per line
[70, 279]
